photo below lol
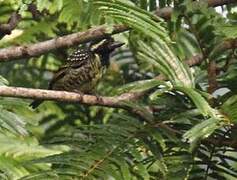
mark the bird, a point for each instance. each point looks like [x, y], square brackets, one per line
[83, 68]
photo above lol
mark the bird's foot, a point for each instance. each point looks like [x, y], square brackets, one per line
[79, 92]
[99, 98]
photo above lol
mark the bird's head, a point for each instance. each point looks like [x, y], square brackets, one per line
[104, 48]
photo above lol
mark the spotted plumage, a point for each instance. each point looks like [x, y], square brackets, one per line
[79, 55]
[83, 69]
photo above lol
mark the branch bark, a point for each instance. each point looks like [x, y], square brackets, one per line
[28, 93]
[15, 19]
[215, 3]
[36, 14]
[37, 49]
[167, 11]
[64, 96]
[12, 23]
[212, 79]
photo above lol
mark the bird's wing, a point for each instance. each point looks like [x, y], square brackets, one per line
[75, 60]
[58, 75]
[80, 55]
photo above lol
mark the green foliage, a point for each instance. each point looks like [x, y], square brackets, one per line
[229, 108]
[16, 151]
[152, 27]
[140, 86]
[179, 129]
[227, 31]
[10, 121]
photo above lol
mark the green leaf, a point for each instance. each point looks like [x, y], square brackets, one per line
[227, 31]
[23, 148]
[43, 4]
[12, 122]
[35, 30]
[159, 51]
[199, 101]
[3, 81]
[141, 170]
[229, 108]
[71, 12]
[11, 168]
[203, 130]
[140, 86]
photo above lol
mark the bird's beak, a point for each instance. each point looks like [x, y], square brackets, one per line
[115, 45]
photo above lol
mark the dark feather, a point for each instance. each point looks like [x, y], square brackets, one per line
[35, 103]
[58, 75]
[79, 55]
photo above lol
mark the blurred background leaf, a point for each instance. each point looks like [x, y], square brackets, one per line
[184, 131]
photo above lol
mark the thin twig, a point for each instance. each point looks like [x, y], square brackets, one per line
[15, 18]
[167, 11]
[32, 8]
[210, 161]
[215, 3]
[12, 23]
[212, 81]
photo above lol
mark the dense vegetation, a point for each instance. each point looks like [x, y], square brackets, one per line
[183, 65]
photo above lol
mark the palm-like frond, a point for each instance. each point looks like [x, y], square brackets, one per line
[175, 131]
[153, 27]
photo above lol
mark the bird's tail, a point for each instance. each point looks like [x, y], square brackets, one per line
[35, 103]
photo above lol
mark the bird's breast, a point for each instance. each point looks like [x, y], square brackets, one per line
[83, 78]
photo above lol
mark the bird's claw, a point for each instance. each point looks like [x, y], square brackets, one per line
[98, 98]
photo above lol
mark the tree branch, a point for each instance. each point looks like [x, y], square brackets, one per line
[36, 14]
[12, 23]
[37, 49]
[100, 32]
[212, 79]
[167, 11]
[215, 3]
[65, 96]
[15, 19]
[28, 93]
